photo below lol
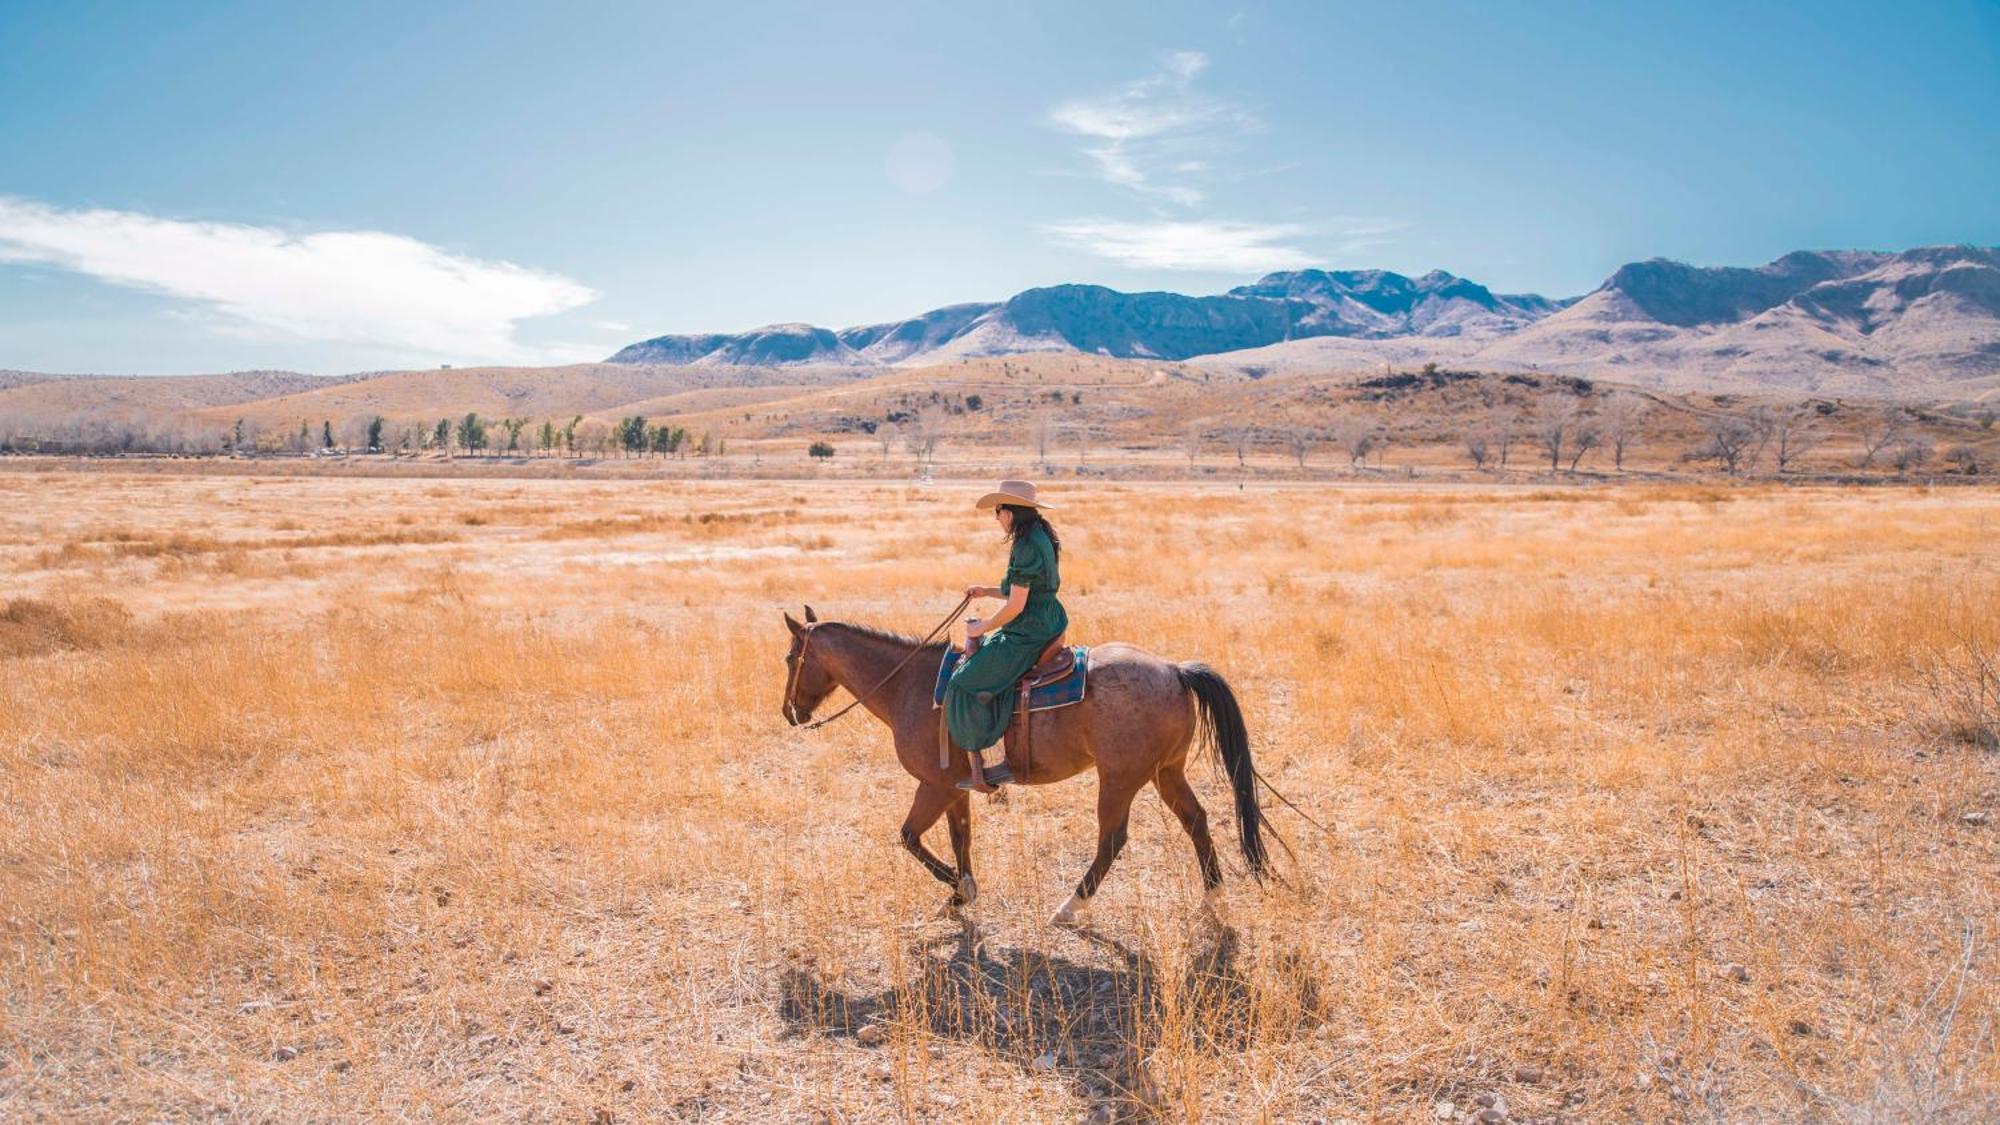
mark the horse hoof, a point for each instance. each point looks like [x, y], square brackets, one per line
[1213, 909]
[1074, 913]
[968, 890]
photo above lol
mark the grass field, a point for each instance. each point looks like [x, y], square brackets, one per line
[471, 799]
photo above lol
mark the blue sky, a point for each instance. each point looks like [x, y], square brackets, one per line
[202, 187]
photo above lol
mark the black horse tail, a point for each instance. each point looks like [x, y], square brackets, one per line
[1221, 720]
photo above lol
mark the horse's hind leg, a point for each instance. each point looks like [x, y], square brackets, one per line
[1174, 789]
[1114, 815]
[930, 804]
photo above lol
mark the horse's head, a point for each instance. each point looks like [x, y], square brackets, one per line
[807, 681]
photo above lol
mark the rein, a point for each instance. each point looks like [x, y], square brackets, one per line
[805, 638]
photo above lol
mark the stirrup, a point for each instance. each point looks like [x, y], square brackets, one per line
[988, 780]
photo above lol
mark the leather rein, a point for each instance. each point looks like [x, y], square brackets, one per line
[805, 638]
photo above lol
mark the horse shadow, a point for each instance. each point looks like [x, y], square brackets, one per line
[1092, 1024]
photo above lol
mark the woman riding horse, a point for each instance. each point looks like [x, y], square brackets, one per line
[1134, 728]
[978, 699]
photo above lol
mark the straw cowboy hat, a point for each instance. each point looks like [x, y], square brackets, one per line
[1012, 492]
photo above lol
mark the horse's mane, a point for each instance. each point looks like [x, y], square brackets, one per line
[890, 635]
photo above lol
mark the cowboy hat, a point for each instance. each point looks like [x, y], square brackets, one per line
[1012, 492]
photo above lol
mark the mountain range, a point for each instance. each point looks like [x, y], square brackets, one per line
[1922, 321]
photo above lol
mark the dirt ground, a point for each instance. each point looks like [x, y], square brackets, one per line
[470, 799]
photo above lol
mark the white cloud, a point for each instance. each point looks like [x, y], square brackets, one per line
[1158, 126]
[358, 288]
[1221, 246]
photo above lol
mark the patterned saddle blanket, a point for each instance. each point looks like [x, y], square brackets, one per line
[1060, 692]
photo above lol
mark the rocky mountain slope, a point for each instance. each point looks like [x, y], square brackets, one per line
[1921, 322]
[1367, 304]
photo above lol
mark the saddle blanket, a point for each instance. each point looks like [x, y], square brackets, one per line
[1060, 693]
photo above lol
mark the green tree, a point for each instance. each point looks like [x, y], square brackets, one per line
[820, 450]
[548, 435]
[375, 434]
[471, 433]
[326, 434]
[441, 436]
[513, 428]
[632, 434]
[569, 433]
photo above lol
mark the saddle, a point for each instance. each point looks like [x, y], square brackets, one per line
[1057, 679]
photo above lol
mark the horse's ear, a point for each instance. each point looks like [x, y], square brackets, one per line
[794, 626]
[810, 615]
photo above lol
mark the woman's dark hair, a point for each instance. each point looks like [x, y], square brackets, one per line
[1027, 519]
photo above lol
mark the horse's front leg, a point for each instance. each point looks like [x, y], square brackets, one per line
[958, 817]
[930, 804]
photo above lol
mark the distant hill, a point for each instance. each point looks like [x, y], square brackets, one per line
[1924, 322]
[136, 396]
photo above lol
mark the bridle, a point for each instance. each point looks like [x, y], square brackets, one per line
[799, 661]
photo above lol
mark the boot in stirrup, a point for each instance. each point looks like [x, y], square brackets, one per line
[984, 780]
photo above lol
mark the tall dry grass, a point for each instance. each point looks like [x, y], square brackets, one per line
[474, 801]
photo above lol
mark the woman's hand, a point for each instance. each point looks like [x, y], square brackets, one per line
[975, 629]
[981, 592]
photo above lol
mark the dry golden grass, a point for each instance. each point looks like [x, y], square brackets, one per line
[326, 799]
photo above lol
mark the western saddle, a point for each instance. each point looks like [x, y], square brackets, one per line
[1055, 663]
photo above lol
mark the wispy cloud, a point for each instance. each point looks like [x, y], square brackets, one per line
[1225, 245]
[1154, 135]
[1167, 142]
[1218, 245]
[359, 288]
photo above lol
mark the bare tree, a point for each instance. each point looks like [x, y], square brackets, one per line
[1505, 426]
[354, 432]
[1585, 436]
[1042, 431]
[1621, 420]
[1792, 431]
[1554, 418]
[1357, 437]
[1240, 438]
[1191, 436]
[885, 436]
[1476, 448]
[1911, 451]
[1879, 432]
[923, 434]
[1966, 457]
[1301, 440]
[1730, 440]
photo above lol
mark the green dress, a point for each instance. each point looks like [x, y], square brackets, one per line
[979, 698]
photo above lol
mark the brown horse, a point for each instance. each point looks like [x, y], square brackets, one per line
[1136, 723]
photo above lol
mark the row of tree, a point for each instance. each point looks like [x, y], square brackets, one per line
[1563, 428]
[467, 435]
